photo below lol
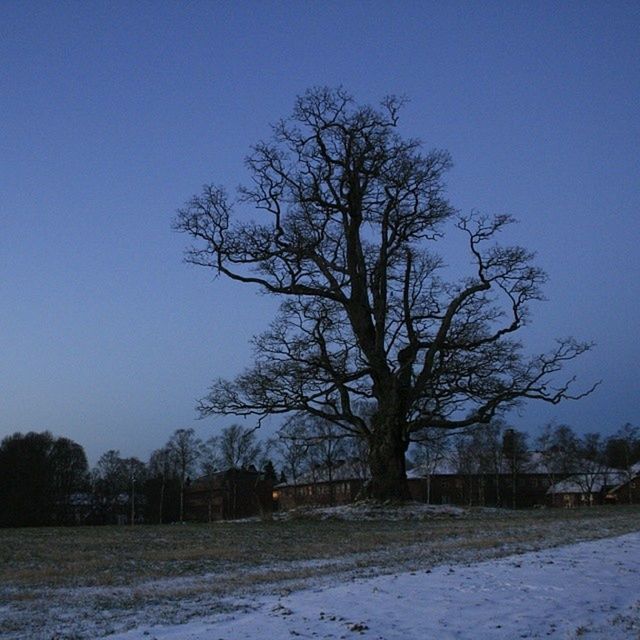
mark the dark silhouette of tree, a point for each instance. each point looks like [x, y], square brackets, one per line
[38, 476]
[560, 450]
[119, 486]
[489, 441]
[110, 486]
[352, 214]
[136, 474]
[162, 487]
[109, 475]
[430, 450]
[185, 450]
[270, 472]
[593, 475]
[515, 453]
[209, 462]
[328, 450]
[238, 448]
[623, 452]
[292, 446]
[70, 476]
[467, 463]
[623, 447]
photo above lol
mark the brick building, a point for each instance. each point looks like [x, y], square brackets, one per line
[229, 495]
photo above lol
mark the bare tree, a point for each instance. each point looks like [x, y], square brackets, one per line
[489, 441]
[292, 446]
[480, 454]
[69, 474]
[209, 460]
[559, 448]
[162, 467]
[185, 450]
[466, 462]
[352, 215]
[516, 455]
[356, 451]
[594, 475]
[210, 465]
[136, 473]
[623, 452]
[238, 448]
[432, 448]
[109, 477]
[327, 450]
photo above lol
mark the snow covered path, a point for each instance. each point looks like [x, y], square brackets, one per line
[588, 590]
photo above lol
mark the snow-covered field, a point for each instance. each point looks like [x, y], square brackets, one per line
[585, 590]
[366, 570]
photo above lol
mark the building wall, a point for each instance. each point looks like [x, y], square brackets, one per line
[628, 493]
[319, 494]
[230, 495]
[521, 491]
[463, 490]
[574, 500]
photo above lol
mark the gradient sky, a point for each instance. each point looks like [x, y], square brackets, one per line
[113, 114]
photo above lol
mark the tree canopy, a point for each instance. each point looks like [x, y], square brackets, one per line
[38, 475]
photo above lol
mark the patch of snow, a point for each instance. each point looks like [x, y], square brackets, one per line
[589, 590]
[370, 510]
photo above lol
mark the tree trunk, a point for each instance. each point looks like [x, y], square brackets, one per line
[387, 448]
[161, 501]
[182, 501]
[133, 503]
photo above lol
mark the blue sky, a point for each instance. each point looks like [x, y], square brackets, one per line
[113, 114]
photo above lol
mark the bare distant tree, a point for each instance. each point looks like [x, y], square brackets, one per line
[209, 460]
[292, 446]
[69, 473]
[327, 450]
[432, 448]
[465, 460]
[352, 213]
[162, 466]
[185, 450]
[594, 474]
[488, 442]
[110, 476]
[238, 448]
[623, 452]
[559, 448]
[582, 460]
[210, 465]
[515, 452]
[356, 451]
[136, 472]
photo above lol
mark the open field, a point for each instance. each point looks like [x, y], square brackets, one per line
[584, 591]
[86, 582]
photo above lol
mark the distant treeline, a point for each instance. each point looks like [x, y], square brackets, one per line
[46, 480]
